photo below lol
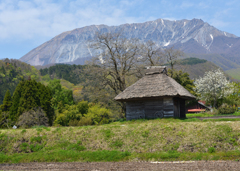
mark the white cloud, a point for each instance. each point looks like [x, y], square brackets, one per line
[41, 18]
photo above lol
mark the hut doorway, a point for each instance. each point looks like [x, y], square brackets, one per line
[176, 107]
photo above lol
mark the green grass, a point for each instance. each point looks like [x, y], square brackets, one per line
[206, 114]
[65, 156]
[159, 139]
[115, 156]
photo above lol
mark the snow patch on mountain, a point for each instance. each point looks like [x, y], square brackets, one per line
[72, 45]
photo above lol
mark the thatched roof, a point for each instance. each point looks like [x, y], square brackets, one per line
[154, 84]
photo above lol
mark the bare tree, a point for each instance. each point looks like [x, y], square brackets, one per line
[33, 117]
[117, 58]
[4, 120]
[152, 54]
[171, 55]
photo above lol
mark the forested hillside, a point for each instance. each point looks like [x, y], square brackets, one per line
[71, 73]
[28, 99]
[12, 72]
[195, 67]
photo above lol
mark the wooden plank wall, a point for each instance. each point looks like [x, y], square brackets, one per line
[135, 110]
[168, 107]
[154, 109]
[150, 109]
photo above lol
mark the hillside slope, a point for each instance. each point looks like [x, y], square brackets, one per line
[159, 139]
[198, 69]
[234, 73]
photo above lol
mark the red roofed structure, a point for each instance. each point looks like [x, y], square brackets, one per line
[198, 107]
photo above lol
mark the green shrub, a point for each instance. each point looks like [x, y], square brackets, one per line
[85, 121]
[214, 112]
[68, 115]
[73, 122]
[83, 107]
[226, 109]
[98, 114]
[61, 120]
[104, 121]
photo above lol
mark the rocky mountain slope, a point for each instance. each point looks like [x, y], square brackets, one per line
[192, 36]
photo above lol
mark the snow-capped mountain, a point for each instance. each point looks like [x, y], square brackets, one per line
[192, 36]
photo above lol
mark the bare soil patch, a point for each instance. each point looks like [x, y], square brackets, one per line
[128, 166]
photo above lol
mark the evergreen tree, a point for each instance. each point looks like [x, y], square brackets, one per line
[15, 101]
[30, 94]
[45, 96]
[7, 102]
[183, 79]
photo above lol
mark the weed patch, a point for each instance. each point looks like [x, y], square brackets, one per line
[145, 134]
[211, 150]
[24, 147]
[23, 131]
[77, 147]
[107, 133]
[36, 147]
[36, 139]
[39, 129]
[117, 143]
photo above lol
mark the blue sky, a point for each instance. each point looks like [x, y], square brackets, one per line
[26, 24]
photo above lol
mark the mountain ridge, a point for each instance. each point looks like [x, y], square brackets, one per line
[192, 36]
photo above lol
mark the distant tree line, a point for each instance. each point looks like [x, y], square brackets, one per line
[71, 73]
[191, 61]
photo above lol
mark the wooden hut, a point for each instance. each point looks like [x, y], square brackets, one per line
[156, 95]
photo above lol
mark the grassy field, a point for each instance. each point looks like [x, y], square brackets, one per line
[148, 140]
[235, 73]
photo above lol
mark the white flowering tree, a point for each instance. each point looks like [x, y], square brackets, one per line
[213, 86]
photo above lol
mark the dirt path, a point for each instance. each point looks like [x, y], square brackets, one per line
[128, 166]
